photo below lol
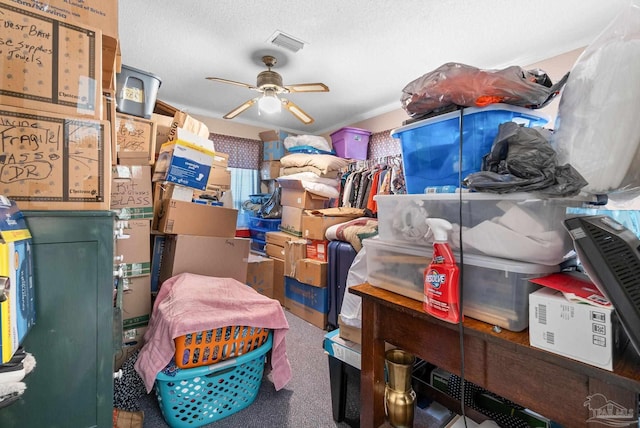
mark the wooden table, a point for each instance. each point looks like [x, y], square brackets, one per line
[502, 362]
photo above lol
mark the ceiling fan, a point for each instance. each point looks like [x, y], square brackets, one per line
[269, 83]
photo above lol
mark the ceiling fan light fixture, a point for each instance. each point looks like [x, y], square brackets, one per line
[269, 103]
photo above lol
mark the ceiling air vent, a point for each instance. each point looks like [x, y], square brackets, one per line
[286, 41]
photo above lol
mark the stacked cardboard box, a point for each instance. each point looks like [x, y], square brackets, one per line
[56, 60]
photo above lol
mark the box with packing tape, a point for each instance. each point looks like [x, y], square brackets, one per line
[50, 161]
[17, 295]
[186, 160]
[55, 67]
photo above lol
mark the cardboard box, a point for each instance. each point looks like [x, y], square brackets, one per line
[131, 192]
[109, 114]
[311, 272]
[583, 332]
[278, 280]
[182, 120]
[163, 191]
[260, 274]
[294, 195]
[294, 250]
[205, 255]
[278, 238]
[95, 13]
[54, 162]
[315, 227]
[273, 144]
[133, 247]
[157, 246]
[61, 74]
[275, 251]
[220, 160]
[291, 221]
[270, 170]
[219, 178]
[132, 340]
[136, 302]
[186, 161]
[349, 332]
[135, 138]
[18, 310]
[338, 347]
[188, 218]
[318, 250]
[306, 301]
[163, 128]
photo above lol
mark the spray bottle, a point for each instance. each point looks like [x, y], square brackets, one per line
[441, 298]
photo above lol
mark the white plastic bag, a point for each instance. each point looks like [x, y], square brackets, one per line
[597, 129]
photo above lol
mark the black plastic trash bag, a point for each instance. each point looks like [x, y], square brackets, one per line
[522, 160]
[272, 208]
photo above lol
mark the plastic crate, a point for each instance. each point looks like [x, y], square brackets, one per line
[202, 395]
[259, 233]
[270, 224]
[259, 246]
[211, 346]
[430, 147]
[136, 91]
[351, 143]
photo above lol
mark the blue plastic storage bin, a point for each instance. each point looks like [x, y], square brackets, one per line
[270, 224]
[431, 147]
[202, 395]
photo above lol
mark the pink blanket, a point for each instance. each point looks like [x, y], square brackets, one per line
[189, 303]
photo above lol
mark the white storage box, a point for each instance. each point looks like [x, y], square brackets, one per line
[495, 290]
[517, 226]
[583, 332]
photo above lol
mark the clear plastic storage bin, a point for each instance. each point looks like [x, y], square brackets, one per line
[519, 226]
[495, 290]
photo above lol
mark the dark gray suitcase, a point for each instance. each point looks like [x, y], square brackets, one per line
[341, 255]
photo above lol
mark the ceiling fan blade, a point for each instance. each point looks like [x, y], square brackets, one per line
[232, 82]
[307, 87]
[297, 112]
[240, 109]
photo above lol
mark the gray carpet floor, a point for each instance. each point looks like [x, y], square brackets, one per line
[304, 402]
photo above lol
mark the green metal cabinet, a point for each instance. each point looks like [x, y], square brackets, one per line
[72, 341]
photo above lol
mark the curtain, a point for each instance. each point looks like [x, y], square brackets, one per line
[244, 182]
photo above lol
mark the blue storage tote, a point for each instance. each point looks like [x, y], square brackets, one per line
[431, 147]
[270, 224]
[202, 395]
[351, 143]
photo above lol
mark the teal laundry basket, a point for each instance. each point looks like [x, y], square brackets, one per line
[202, 395]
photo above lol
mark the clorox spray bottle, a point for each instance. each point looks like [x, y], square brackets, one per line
[441, 297]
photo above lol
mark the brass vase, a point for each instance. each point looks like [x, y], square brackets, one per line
[399, 396]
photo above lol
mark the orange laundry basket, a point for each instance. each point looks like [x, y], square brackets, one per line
[211, 346]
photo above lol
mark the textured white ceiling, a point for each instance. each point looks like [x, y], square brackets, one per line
[366, 51]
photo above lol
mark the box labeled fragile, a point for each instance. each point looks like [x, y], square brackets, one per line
[17, 294]
[50, 161]
[584, 332]
[185, 161]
